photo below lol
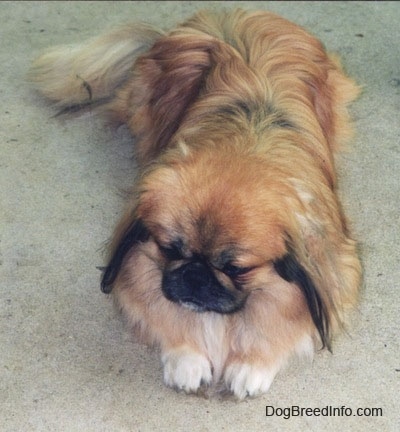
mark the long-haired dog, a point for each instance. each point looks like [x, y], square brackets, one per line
[234, 252]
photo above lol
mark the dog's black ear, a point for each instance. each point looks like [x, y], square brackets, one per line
[135, 233]
[289, 269]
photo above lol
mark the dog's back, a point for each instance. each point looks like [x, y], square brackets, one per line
[275, 56]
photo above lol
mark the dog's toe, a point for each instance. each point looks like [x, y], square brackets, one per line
[244, 379]
[186, 370]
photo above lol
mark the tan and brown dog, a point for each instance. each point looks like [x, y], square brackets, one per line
[234, 252]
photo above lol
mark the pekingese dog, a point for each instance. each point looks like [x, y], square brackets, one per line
[234, 253]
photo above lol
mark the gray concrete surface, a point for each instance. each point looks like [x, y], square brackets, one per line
[67, 363]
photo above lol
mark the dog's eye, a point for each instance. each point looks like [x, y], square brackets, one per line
[234, 271]
[171, 252]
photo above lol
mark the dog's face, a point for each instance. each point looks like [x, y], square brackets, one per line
[218, 233]
[211, 232]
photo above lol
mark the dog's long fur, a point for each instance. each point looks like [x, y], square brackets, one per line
[236, 118]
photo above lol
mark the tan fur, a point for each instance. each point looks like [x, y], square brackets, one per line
[236, 118]
[80, 73]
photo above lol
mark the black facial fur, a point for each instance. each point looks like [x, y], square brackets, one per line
[195, 286]
[135, 233]
[234, 271]
[172, 252]
[289, 269]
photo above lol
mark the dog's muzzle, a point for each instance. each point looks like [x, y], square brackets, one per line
[195, 286]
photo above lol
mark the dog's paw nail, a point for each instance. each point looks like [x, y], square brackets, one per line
[186, 370]
[247, 380]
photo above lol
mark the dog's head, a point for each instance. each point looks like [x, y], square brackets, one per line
[220, 233]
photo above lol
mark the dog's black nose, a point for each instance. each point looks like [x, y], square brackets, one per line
[196, 275]
[195, 286]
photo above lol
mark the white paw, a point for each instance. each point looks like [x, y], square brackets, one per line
[186, 370]
[244, 379]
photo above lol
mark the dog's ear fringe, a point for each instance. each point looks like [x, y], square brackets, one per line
[289, 269]
[135, 232]
[169, 79]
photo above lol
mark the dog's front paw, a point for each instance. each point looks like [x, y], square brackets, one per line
[244, 379]
[186, 370]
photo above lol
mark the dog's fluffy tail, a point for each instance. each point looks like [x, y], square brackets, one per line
[75, 76]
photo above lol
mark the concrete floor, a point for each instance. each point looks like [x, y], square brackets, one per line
[67, 362]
